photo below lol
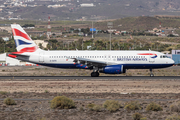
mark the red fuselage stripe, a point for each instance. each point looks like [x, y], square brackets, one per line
[146, 54]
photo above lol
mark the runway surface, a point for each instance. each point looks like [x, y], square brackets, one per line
[90, 78]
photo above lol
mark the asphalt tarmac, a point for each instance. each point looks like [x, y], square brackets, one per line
[89, 78]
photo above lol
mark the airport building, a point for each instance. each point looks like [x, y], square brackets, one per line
[175, 55]
[8, 61]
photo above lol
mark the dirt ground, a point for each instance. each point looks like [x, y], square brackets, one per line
[47, 71]
[33, 96]
[92, 86]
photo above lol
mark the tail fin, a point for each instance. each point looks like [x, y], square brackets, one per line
[23, 42]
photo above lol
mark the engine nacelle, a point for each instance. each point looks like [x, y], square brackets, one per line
[112, 69]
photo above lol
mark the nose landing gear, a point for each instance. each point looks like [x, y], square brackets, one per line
[151, 73]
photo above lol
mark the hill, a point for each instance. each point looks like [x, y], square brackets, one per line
[140, 23]
[103, 9]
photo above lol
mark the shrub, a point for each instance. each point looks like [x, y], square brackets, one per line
[3, 92]
[154, 107]
[143, 119]
[137, 116]
[62, 102]
[173, 117]
[81, 109]
[133, 106]
[9, 101]
[90, 106]
[97, 108]
[94, 107]
[46, 91]
[42, 118]
[111, 105]
[175, 107]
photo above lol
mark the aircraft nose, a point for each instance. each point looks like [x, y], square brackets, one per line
[172, 61]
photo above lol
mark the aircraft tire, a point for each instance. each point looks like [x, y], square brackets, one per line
[94, 74]
[151, 75]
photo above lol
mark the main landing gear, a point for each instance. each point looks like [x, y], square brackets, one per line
[95, 74]
[151, 73]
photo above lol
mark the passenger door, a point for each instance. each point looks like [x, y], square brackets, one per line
[41, 56]
[151, 57]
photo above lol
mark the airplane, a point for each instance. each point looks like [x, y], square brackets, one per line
[99, 61]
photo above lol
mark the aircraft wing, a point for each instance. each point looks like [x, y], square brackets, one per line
[91, 63]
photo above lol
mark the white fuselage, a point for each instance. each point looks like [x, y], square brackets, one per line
[129, 59]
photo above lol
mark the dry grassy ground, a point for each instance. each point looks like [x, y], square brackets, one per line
[47, 71]
[93, 86]
[30, 93]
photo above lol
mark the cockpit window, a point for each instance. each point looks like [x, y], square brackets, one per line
[163, 56]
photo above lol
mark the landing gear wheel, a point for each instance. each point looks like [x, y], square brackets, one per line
[94, 74]
[151, 74]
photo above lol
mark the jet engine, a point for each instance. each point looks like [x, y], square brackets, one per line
[112, 69]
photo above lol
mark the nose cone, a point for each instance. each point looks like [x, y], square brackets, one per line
[172, 62]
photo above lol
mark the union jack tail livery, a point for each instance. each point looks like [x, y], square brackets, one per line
[23, 42]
